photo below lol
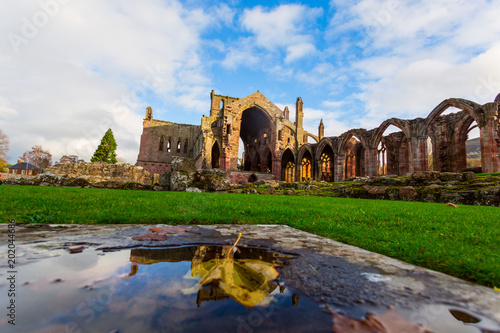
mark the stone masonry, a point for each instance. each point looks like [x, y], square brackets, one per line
[274, 147]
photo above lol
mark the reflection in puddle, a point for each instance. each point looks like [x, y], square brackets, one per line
[184, 289]
[246, 275]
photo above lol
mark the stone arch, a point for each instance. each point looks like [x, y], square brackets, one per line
[497, 99]
[326, 141]
[252, 178]
[379, 132]
[312, 136]
[393, 150]
[250, 118]
[288, 166]
[215, 155]
[326, 163]
[461, 132]
[345, 137]
[462, 104]
[305, 163]
[303, 149]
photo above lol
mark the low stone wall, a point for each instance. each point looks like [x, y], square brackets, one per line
[457, 188]
[97, 175]
[5, 175]
[243, 177]
[98, 172]
[185, 177]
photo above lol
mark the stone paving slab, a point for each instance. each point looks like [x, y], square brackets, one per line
[350, 280]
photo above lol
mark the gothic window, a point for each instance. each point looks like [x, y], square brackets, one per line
[169, 147]
[306, 168]
[179, 146]
[160, 148]
[228, 129]
[289, 172]
[326, 167]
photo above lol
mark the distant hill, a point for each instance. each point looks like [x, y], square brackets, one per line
[474, 147]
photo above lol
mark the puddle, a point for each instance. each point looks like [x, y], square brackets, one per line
[182, 289]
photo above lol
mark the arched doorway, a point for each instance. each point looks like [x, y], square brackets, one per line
[306, 167]
[288, 166]
[393, 151]
[256, 132]
[252, 178]
[326, 164]
[215, 156]
[354, 158]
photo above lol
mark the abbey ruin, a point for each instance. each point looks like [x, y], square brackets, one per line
[275, 148]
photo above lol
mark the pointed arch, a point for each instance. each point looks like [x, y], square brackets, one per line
[162, 143]
[379, 132]
[288, 166]
[215, 155]
[359, 134]
[462, 104]
[326, 164]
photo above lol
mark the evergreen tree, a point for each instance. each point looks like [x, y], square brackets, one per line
[106, 150]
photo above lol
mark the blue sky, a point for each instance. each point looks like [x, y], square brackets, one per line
[71, 69]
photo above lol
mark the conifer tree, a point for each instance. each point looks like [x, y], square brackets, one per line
[106, 150]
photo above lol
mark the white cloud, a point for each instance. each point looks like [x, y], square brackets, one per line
[282, 29]
[281, 26]
[96, 65]
[409, 56]
[299, 51]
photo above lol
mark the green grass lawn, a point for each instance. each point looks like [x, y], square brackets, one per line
[464, 241]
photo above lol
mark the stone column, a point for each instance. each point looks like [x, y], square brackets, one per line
[418, 150]
[371, 162]
[339, 166]
[277, 167]
[490, 138]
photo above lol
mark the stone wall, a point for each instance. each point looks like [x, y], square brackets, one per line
[99, 172]
[243, 177]
[429, 186]
[162, 140]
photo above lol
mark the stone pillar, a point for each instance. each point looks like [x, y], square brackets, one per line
[321, 130]
[339, 167]
[418, 150]
[286, 113]
[299, 116]
[371, 162]
[490, 138]
[277, 167]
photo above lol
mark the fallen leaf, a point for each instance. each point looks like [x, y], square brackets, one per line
[388, 322]
[449, 204]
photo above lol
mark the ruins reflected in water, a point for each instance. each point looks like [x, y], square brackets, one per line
[181, 289]
[246, 275]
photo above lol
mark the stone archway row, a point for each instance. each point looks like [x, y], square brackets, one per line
[356, 152]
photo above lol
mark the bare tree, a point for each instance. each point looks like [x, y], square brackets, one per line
[4, 148]
[67, 159]
[38, 157]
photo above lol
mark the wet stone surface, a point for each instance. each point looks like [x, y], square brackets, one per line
[346, 279]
